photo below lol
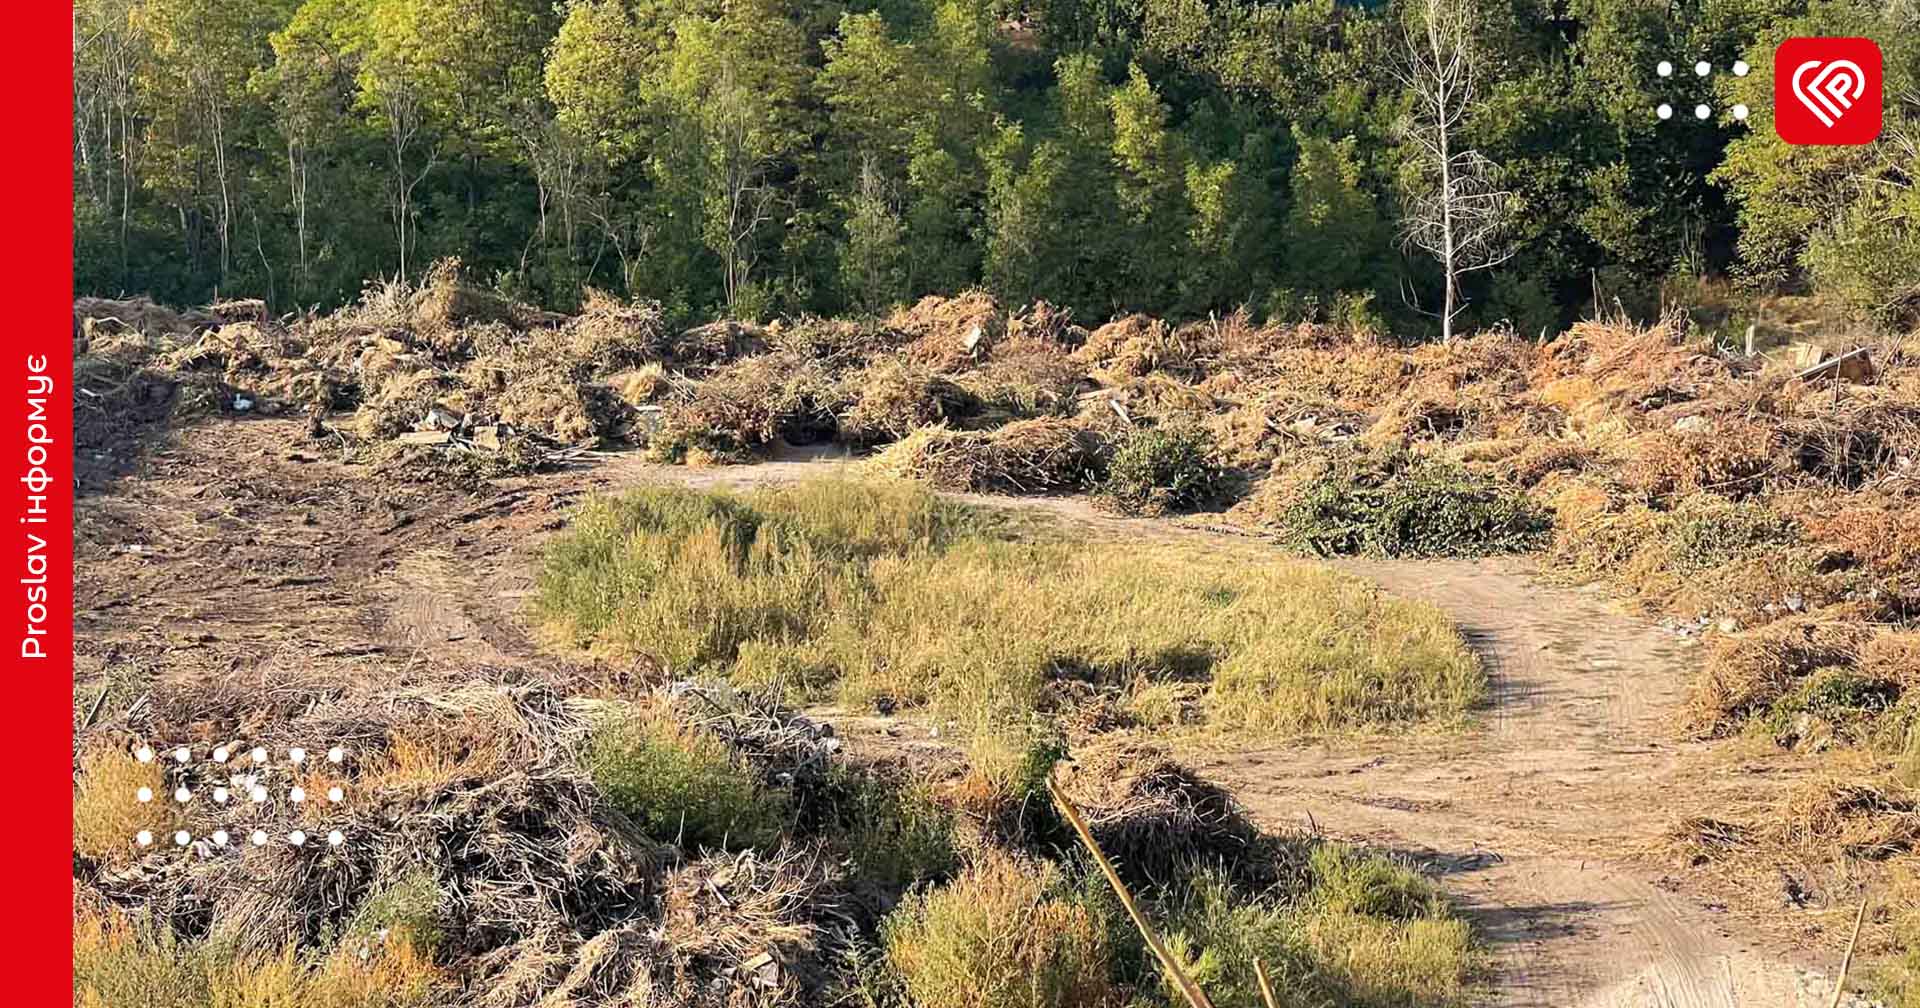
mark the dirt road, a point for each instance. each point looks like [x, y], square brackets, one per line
[1527, 819]
[228, 554]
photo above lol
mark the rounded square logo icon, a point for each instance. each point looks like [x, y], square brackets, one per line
[1827, 90]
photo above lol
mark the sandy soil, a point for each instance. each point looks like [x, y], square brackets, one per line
[238, 550]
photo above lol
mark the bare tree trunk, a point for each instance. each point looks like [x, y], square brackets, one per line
[224, 218]
[297, 192]
[1459, 217]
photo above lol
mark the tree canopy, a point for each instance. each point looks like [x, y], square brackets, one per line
[752, 157]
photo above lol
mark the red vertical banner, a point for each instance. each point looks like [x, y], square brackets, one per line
[36, 442]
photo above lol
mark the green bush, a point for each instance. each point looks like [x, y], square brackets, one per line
[995, 937]
[408, 907]
[680, 785]
[1408, 505]
[1709, 531]
[1159, 469]
[894, 832]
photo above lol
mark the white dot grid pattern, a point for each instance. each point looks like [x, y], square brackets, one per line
[1702, 112]
[221, 754]
[250, 784]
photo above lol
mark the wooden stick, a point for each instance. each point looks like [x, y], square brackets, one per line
[1830, 363]
[1189, 990]
[94, 711]
[1846, 962]
[1266, 985]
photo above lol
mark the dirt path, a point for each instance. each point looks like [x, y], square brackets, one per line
[1528, 819]
[232, 555]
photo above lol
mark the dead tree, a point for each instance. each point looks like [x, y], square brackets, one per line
[1456, 213]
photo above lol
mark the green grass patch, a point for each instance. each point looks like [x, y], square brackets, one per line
[1349, 929]
[680, 785]
[120, 964]
[998, 937]
[1363, 932]
[871, 592]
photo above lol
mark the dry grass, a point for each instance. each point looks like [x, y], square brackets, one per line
[783, 587]
[106, 814]
[1746, 674]
[1154, 817]
[894, 398]
[120, 965]
[1040, 455]
[995, 938]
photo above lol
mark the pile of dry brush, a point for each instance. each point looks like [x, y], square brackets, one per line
[469, 826]
[444, 367]
[474, 833]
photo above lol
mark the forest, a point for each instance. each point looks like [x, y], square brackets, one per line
[753, 158]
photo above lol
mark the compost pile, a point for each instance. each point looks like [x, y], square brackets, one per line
[465, 823]
[446, 368]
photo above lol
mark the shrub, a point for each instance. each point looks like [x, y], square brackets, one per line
[406, 910]
[895, 832]
[105, 815]
[681, 786]
[1406, 505]
[1709, 532]
[994, 938]
[1161, 469]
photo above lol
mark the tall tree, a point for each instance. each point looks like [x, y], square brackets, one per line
[1455, 210]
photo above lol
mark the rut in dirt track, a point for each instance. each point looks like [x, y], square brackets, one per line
[1528, 817]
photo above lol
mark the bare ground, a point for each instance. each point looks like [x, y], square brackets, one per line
[244, 552]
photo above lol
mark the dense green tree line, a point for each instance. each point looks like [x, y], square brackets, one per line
[1176, 156]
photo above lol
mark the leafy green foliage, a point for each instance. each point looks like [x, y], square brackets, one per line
[785, 156]
[896, 832]
[1709, 531]
[1408, 505]
[1159, 469]
[681, 786]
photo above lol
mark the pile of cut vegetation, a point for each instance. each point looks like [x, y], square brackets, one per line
[447, 369]
[514, 846]
[1763, 502]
